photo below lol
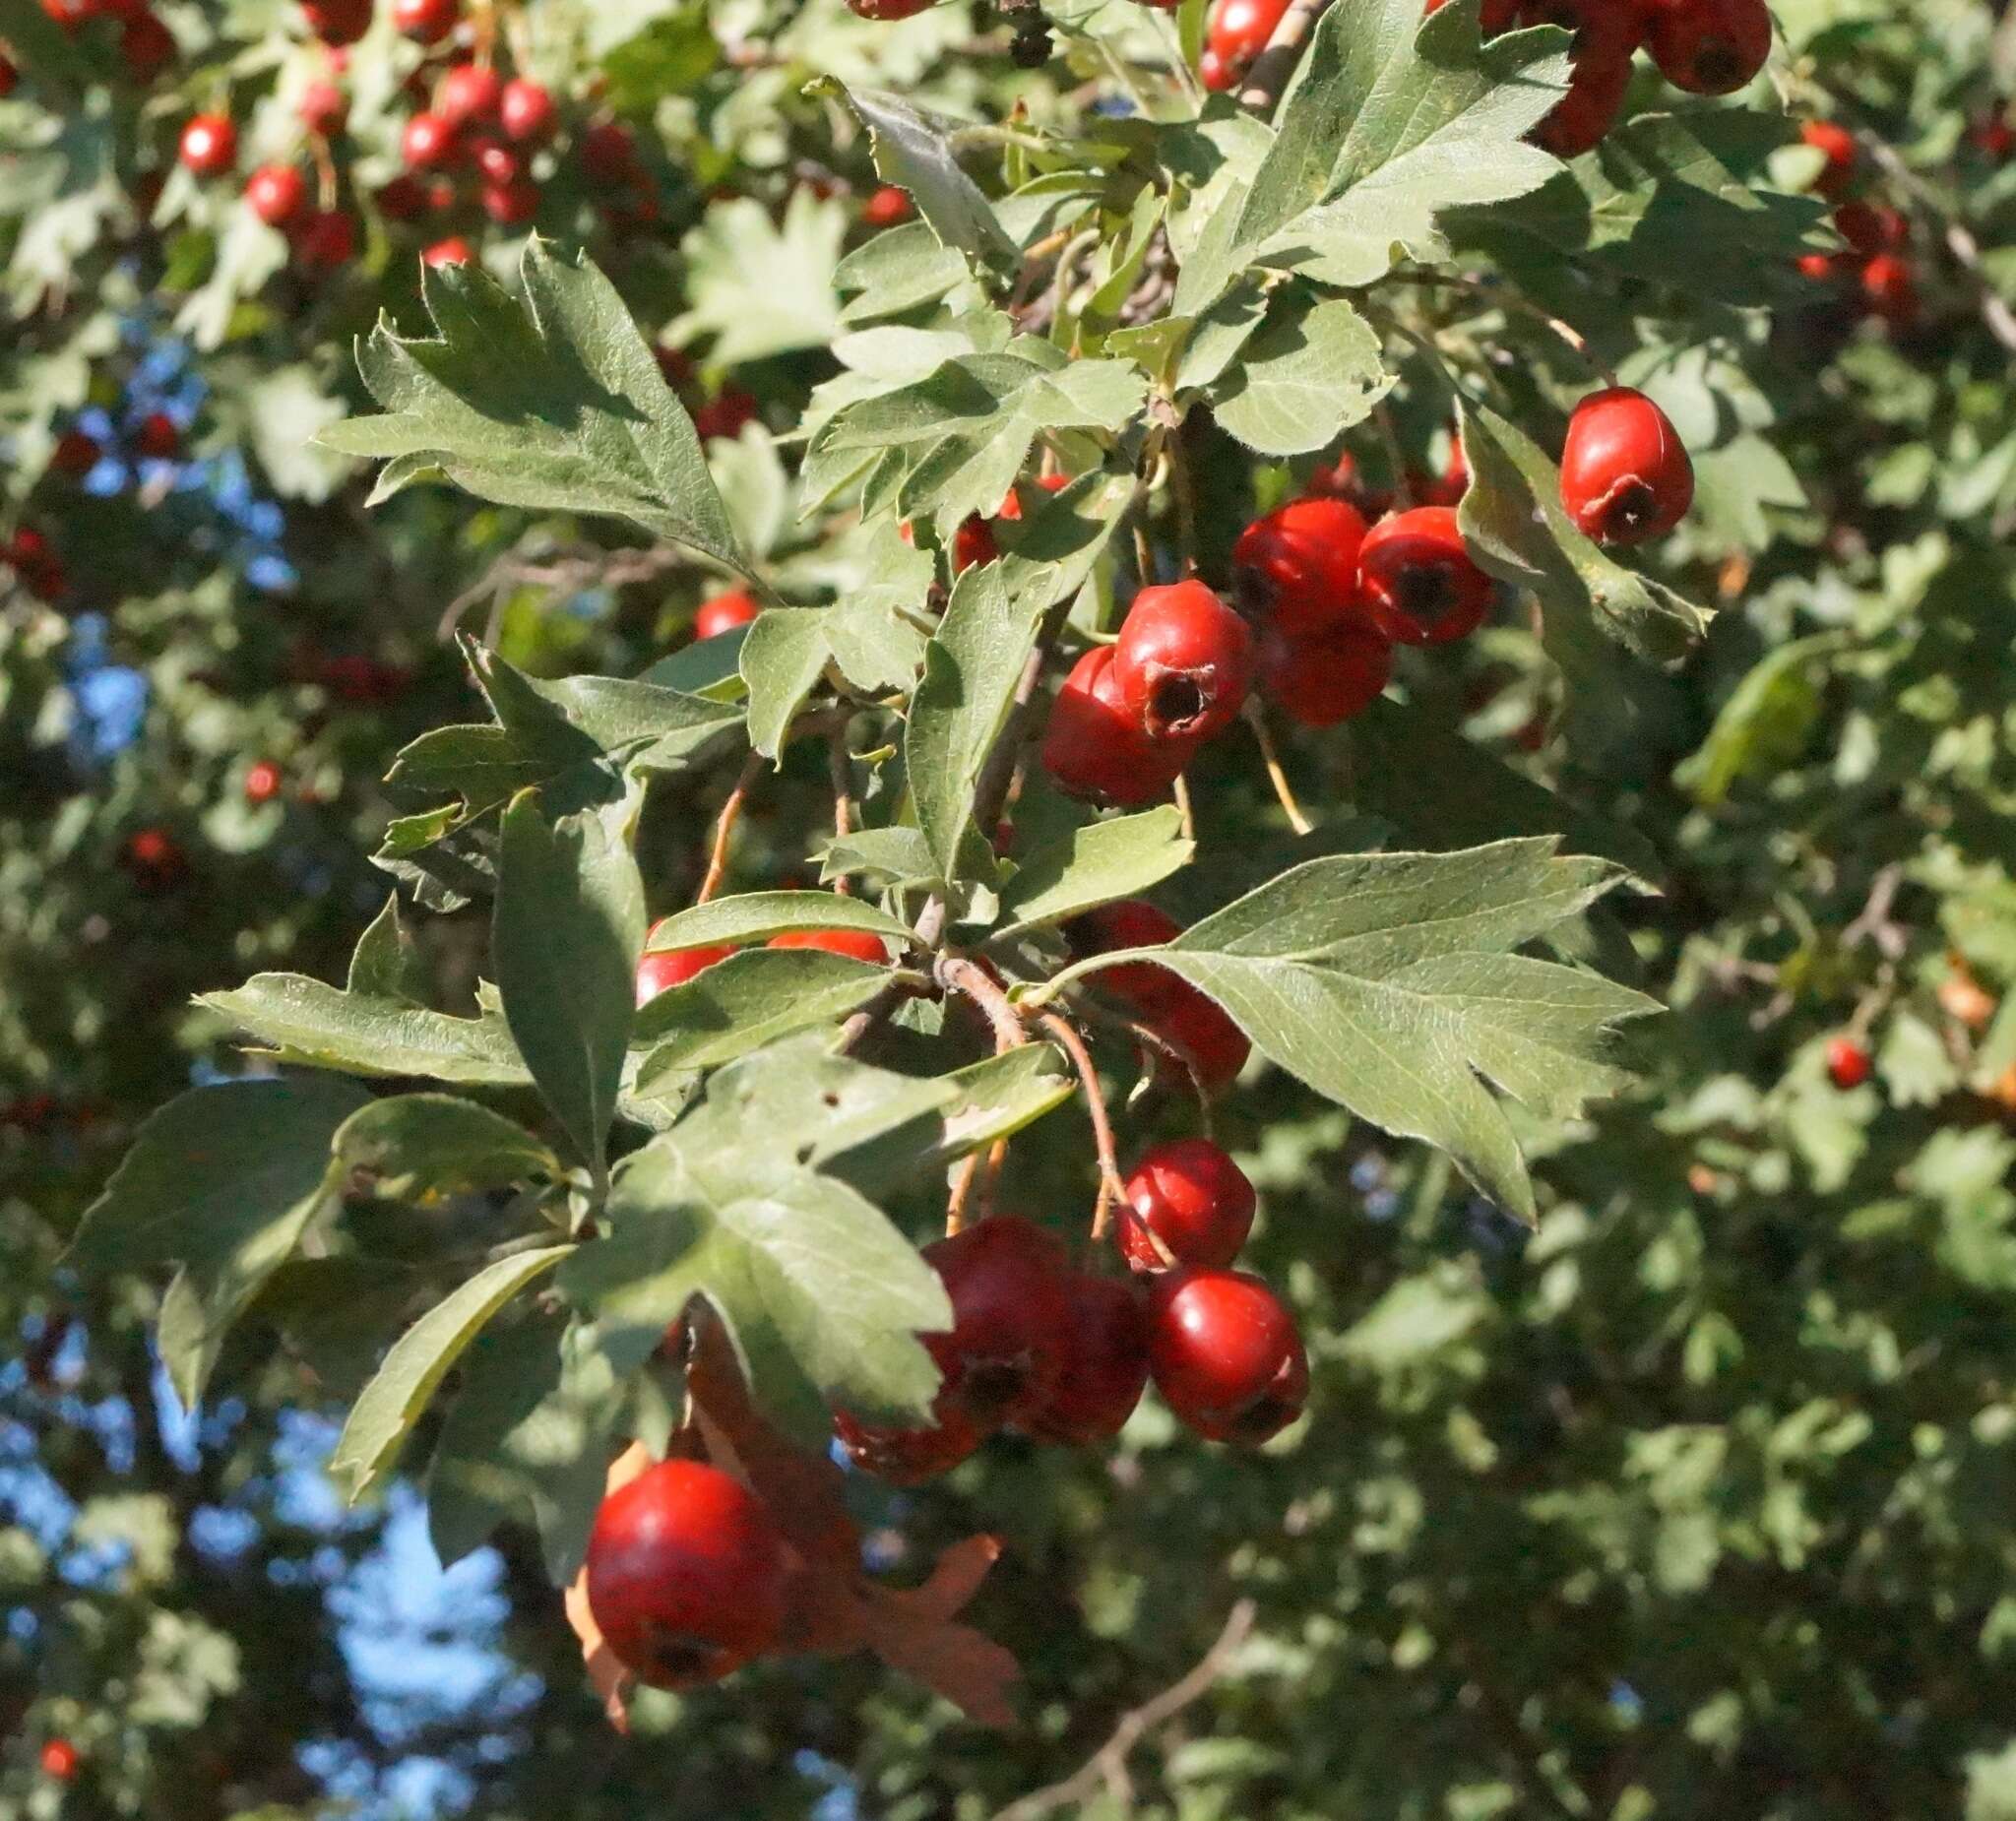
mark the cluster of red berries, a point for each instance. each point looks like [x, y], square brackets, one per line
[1877, 236]
[146, 47]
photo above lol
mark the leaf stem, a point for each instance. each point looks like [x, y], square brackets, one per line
[725, 827]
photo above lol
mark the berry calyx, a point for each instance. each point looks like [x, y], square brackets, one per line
[427, 21]
[1191, 1197]
[685, 1574]
[1183, 662]
[1417, 581]
[1847, 1062]
[1094, 746]
[1225, 1354]
[262, 782]
[158, 437]
[526, 111]
[1836, 144]
[275, 194]
[858, 944]
[1710, 47]
[453, 250]
[1106, 1365]
[209, 146]
[1327, 677]
[58, 1759]
[1299, 566]
[659, 969]
[468, 92]
[1625, 473]
[723, 612]
[428, 143]
[886, 206]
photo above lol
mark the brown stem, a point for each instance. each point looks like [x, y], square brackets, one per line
[725, 827]
[1110, 1188]
[972, 980]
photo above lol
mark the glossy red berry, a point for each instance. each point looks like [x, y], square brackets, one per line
[428, 143]
[58, 1759]
[158, 437]
[1129, 924]
[858, 944]
[1236, 32]
[723, 612]
[1094, 746]
[208, 144]
[146, 47]
[1326, 678]
[973, 544]
[886, 206]
[275, 194]
[1625, 473]
[452, 250]
[326, 240]
[1600, 77]
[659, 969]
[1010, 1316]
[1225, 1354]
[497, 162]
[1106, 1365]
[526, 111]
[1836, 144]
[1191, 1197]
[686, 1574]
[75, 454]
[429, 21]
[1891, 288]
[469, 93]
[262, 782]
[608, 153]
[1183, 662]
[324, 107]
[1203, 1033]
[1297, 568]
[338, 22]
[908, 1457]
[1214, 72]
[1847, 1062]
[1416, 580]
[1710, 47]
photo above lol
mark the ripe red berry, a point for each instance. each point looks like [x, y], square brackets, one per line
[513, 204]
[685, 1574]
[158, 436]
[1201, 1029]
[1819, 267]
[29, 549]
[1183, 662]
[1625, 473]
[428, 143]
[1235, 34]
[856, 943]
[1297, 568]
[725, 415]
[608, 153]
[661, 968]
[146, 47]
[262, 782]
[1094, 746]
[1194, 1199]
[1847, 1062]
[1129, 924]
[326, 240]
[526, 111]
[275, 194]
[1325, 678]
[498, 162]
[58, 1759]
[723, 612]
[1994, 136]
[338, 22]
[1225, 1354]
[323, 107]
[1891, 288]
[208, 144]
[1600, 75]
[1214, 72]
[429, 21]
[1106, 1365]
[453, 250]
[908, 1457]
[974, 542]
[1011, 1317]
[886, 206]
[1871, 229]
[887, 9]
[75, 454]
[468, 92]
[1416, 580]
[153, 856]
[1710, 47]
[1836, 144]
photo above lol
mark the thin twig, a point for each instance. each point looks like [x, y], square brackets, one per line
[971, 978]
[1112, 1189]
[962, 1192]
[570, 572]
[1256, 718]
[1108, 1767]
[1181, 786]
[840, 766]
[1271, 70]
[725, 827]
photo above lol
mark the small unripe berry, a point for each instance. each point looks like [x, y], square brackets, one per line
[1094, 746]
[429, 21]
[886, 206]
[1297, 568]
[685, 1574]
[208, 144]
[1847, 1062]
[1106, 1365]
[1836, 144]
[858, 944]
[1225, 1354]
[468, 92]
[1625, 473]
[1183, 662]
[1191, 1197]
[1328, 677]
[453, 250]
[1417, 581]
[526, 111]
[428, 143]
[275, 194]
[1710, 47]
[723, 612]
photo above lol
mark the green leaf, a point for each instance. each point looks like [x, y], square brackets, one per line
[386, 964]
[760, 288]
[897, 272]
[784, 657]
[221, 1181]
[568, 929]
[913, 149]
[1309, 373]
[382, 1418]
[1093, 865]
[307, 1021]
[896, 856]
[1765, 724]
[754, 916]
[744, 1002]
[1387, 983]
[430, 1146]
[555, 404]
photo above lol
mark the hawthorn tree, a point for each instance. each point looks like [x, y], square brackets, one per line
[1188, 614]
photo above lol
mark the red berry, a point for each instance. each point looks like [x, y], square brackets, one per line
[662, 967]
[1225, 1354]
[428, 143]
[1993, 136]
[886, 206]
[1297, 568]
[725, 415]
[1011, 1317]
[675, 365]
[1600, 75]
[1235, 34]
[275, 193]
[209, 144]
[723, 612]
[75, 454]
[262, 782]
[1326, 678]
[1417, 581]
[1871, 229]
[1847, 1062]
[1891, 288]
[28, 549]
[608, 153]
[59, 1759]
[498, 162]
[685, 1575]
[326, 240]
[429, 21]
[908, 1457]
[1106, 1365]
[154, 856]
[158, 436]
[338, 22]
[323, 107]
[1836, 144]
[468, 92]
[1710, 47]
[974, 542]
[9, 76]
[1094, 746]
[1191, 1197]
[1342, 480]
[526, 111]
[454, 250]
[887, 9]
[1625, 475]
[146, 47]
[856, 943]
[1215, 74]
[511, 205]
[1820, 266]
[401, 200]
[1204, 1033]
[1183, 662]
[1129, 924]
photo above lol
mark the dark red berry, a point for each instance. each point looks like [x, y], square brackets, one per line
[725, 415]
[1106, 1365]
[146, 47]
[470, 92]
[338, 22]
[275, 194]
[326, 240]
[1094, 746]
[158, 437]
[1710, 47]
[1600, 77]
[323, 107]
[1129, 924]
[511, 205]
[76, 454]
[429, 21]
[1011, 1317]
[402, 200]
[1183, 662]
[887, 9]
[608, 153]
[1191, 1197]
[1871, 229]
[685, 1574]
[208, 144]
[526, 111]
[9, 76]
[906, 1457]
[1847, 1062]
[1327, 677]
[1297, 568]
[1625, 473]
[1225, 1354]
[723, 612]
[1416, 580]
